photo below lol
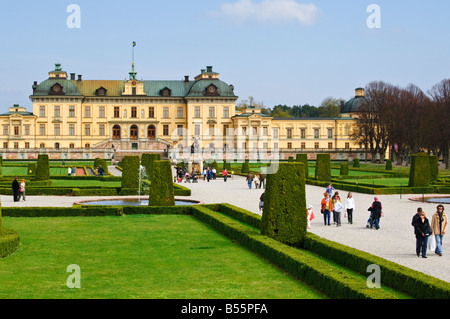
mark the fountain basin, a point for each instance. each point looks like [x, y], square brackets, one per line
[130, 201]
[438, 199]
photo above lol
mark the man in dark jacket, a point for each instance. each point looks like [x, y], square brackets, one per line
[16, 189]
[376, 210]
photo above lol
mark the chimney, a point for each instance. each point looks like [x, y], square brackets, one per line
[359, 92]
[209, 69]
[79, 77]
[186, 78]
[35, 83]
[72, 76]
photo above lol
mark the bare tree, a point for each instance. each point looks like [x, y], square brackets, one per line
[439, 112]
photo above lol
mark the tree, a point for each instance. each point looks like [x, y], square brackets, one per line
[330, 107]
[439, 114]
[371, 129]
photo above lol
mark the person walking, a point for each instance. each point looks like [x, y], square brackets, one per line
[16, 189]
[74, 172]
[330, 189]
[249, 180]
[338, 208]
[261, 201]
[101, 170]
[310, 216]
[256, 181]
[69, 171]
[326, 206]
[335, 199]
[262, 179]
[422, 230]
[439, 224]
[22, 190]
[350, 206]
[225, 174]
[376, 213]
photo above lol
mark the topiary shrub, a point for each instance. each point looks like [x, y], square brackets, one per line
[42, 168]
[161, 188]
[284, 214]
[291, 159]
[245, 167]
[147, 162]
[323, 167]
[434, 167]
[31, 168]
[130, 171]
[303, 158]
[344, 169]
[356, 162]
[388, 165]
[419, 172]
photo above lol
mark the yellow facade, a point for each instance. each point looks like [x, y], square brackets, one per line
[71, 113]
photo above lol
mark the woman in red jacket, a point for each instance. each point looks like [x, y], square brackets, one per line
[327, 207]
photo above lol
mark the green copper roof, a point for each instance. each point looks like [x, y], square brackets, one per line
[198, 89]
[68, 87]
[353, 105]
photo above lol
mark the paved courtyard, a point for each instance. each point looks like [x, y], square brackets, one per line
[394, 241]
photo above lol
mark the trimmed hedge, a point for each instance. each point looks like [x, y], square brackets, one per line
[323, 167]
[303, 158]
[434, 167]
[130, 172]
[284, 214]
[42, 168]
[356, 162]
[344, 169]
[419, 173]
[32, 168]
[62, 211]
[103, 163]
[161, 188]
[147, 162]
[245, 167]
[9, 241]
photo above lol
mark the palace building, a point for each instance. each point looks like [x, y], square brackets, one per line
[74, 117]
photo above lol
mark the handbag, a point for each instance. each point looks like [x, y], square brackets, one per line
[431, 243]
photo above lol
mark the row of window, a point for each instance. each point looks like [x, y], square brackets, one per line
[42, 145]
[134, 112]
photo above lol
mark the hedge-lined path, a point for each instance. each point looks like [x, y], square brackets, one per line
[395, 240]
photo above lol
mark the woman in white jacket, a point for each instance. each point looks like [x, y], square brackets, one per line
[350, 205]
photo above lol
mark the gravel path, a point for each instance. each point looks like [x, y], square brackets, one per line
[394, 240]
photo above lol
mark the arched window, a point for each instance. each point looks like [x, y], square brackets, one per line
[57, 146]
[151, 131]
[42, 145]
[133, 132]
[116, 131]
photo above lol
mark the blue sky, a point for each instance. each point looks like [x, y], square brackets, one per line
[289, 52]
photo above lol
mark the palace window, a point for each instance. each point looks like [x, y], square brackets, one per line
[316, 133]
[212, 112]
[330, 133]
[134, 112]
[101, 130]
[27, 130]
[87, 130]
[42, 111]
[57, 110]
[226, 112]
[330, 146]
[16, 131]
[289, 133]
[197, 111]
[5, 144]
[165, 129]
[197, 130]
[41, 129]
[116, 111]
[166, 112]
[87, 111]
[101, 112]
[57, 130]
[180, 112]
[151, 112]
[303, 133]
[71, 111]
[71, 129]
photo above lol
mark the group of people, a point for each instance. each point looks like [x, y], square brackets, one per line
[332, 204]
[71, 171]
[258, 179]
[18, 189]
[424, 231]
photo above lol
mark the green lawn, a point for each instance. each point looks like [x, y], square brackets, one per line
[156, 256]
